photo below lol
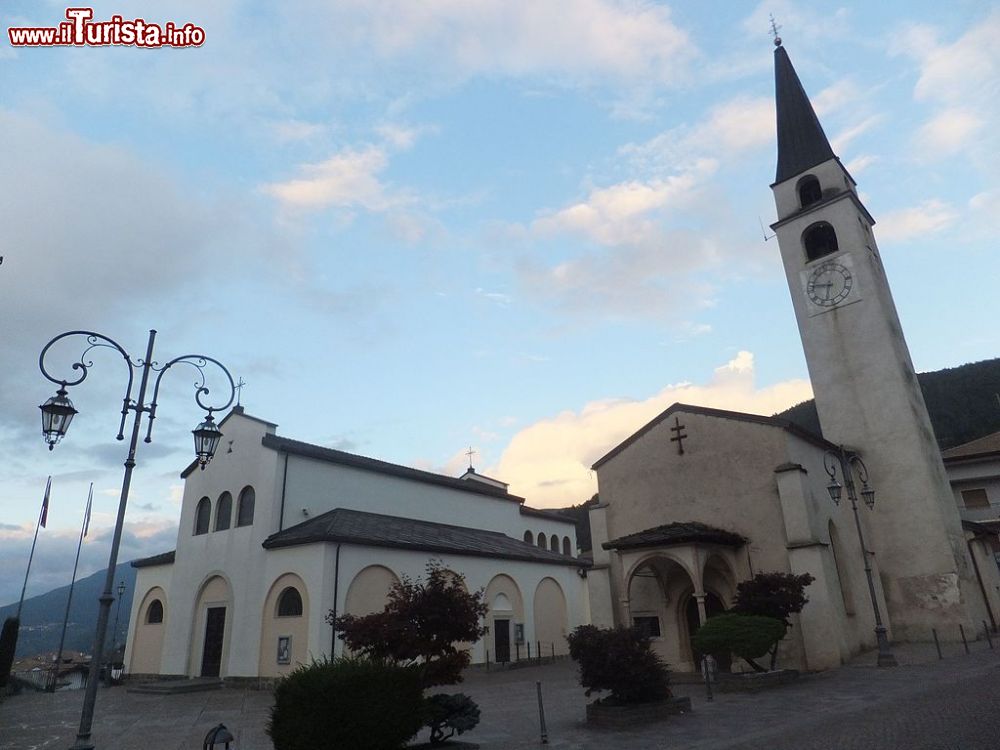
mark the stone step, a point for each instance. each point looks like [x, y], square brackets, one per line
[174, 687]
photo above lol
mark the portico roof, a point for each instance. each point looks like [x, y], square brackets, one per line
[670, 534]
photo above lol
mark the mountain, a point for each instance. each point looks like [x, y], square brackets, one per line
[42, 615]
[962, 403]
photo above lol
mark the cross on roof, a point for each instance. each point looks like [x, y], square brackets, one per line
[775, 28]
[678, 437]
[239, 390]
[470, 453]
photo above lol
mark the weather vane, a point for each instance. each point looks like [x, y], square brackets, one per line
[775, 28]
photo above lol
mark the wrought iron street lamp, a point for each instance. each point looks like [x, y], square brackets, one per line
[850, 462]
[58, 412]
[114, 634]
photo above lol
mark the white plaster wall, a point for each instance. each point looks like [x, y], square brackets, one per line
[478, 573]
[318, 486]
[146, 579]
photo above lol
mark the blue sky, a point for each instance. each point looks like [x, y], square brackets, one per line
[414, 227]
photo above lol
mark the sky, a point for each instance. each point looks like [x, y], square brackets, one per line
[416, 228]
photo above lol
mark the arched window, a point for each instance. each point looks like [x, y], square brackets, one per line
[202, 516]
[155, 612]
[542, 540]
[290, 603]
[567, 546]
[809, 191]
[224, 512]
[554, 543]
[819, 239]
[244, 510]
[529, 537]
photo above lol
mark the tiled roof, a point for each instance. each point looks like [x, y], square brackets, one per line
[552, 515]
[332, 455]
[984, 446]
[677, 533]
[376, 530]
[164, 558]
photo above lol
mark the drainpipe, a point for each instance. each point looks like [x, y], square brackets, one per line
[336, 590]
[284, 481]
[982, 586]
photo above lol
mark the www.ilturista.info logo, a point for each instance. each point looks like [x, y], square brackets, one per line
[80, 30]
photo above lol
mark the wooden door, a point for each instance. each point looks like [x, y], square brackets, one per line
[215, 629]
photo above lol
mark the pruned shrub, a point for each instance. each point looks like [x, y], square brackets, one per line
[448, 715]
[777, 595]
[746, 636]
[357, 703]
[621, 661]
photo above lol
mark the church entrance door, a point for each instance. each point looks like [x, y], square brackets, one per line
[501, 640]
[215, 628]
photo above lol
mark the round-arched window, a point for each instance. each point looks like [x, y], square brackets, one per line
[244, 509]
[819, 239]
[809, 191]
[567, 546]
[529, 537]
[290, 603]
[155, 612]
[224, 512]
[202, 516]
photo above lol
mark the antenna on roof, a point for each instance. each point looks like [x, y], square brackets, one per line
[764, 231]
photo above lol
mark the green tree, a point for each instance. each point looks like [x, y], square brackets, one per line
[776, 595]
[746, 636]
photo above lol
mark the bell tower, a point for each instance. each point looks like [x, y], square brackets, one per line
[866, 390]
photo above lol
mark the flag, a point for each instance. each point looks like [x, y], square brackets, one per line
[86, 514]
[45, 504]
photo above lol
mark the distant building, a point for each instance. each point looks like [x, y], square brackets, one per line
[276, 533]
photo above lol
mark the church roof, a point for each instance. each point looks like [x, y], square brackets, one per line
[332, 455]
[983, 447]
[377, 530]
[164, 558]
[706, 411]
[677, 533]
[801, 141]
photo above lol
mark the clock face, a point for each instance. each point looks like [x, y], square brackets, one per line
[829, 284]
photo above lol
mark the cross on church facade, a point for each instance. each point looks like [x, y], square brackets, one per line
[678, 435]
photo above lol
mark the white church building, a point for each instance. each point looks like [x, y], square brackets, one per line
[275, 534]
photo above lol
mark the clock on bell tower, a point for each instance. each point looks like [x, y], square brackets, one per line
[866, 390]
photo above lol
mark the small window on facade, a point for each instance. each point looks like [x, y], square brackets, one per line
[819, 239]
[529, 537]
[567, 546]
[224, 512]
[648, 626]
[244, 510]
[202, 516]
[554, 543]
[543, 540]
[290, 603]
[976, 498]
[155, 612]
[809, 191]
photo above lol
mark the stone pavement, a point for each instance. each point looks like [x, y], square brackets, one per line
[952, 704]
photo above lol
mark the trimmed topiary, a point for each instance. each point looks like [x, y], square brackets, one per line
[621, 661]
[746, 636]
[450, 714]
[356, 703]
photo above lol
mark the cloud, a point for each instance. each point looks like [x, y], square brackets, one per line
[549, 461]
[906, 223]
[348, 179]
[949, 131]
[287, 131]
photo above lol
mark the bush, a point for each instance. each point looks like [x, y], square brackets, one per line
[8, 644]
[455, 713]
[746, 636]
[619, 660]
[356, 703]
[776, 595]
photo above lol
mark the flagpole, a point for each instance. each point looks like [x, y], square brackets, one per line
[41, 522]
[72, 583]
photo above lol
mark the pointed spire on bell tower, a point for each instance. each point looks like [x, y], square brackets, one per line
[801, 141]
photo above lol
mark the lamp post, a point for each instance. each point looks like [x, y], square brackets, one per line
[58, 413]
[851, 462]
[114, 633]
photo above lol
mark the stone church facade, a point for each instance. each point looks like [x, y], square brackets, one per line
[276, 533]
[682, 521]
